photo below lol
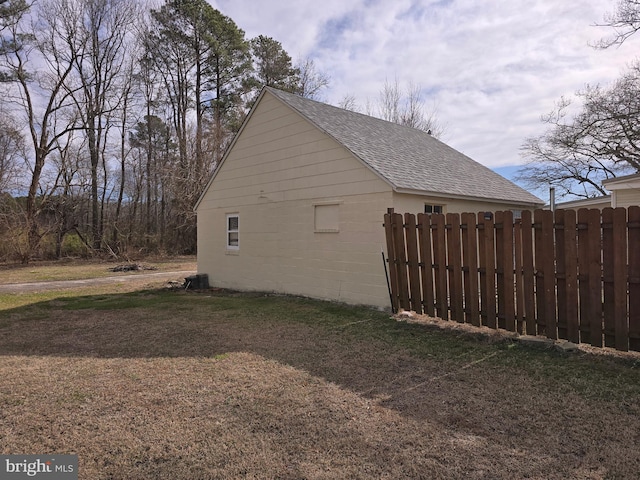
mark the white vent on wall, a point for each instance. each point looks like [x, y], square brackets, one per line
[327, 218]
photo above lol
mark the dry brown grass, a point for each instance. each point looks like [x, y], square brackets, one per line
[174, 385]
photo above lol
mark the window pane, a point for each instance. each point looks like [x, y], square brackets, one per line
[233, 221]
[437, 209]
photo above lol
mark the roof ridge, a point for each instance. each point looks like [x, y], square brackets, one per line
[351, 112]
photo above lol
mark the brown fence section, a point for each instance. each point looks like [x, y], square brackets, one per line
[562, 274]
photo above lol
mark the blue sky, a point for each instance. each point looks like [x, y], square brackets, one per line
[491, 67]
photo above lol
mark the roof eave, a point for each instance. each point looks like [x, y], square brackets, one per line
[634, 177]
[412, 191]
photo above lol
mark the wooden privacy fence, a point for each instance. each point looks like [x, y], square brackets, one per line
[562, 274]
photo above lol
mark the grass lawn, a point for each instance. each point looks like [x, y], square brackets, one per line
[159, 384]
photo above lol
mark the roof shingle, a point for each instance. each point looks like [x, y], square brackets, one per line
[405, 157]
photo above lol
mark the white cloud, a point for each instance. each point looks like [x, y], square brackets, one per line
[493, 68]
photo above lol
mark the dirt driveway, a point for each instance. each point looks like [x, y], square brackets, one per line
[90, 282]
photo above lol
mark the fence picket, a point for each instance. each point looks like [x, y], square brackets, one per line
[411, 231]
[620, 324]
[470, 269]
[634, 277]
[518, 275]
[426, 265]
[500, 267]
[607, 277]
[454, 262]
[549, 275]
[561, 274]
[391, 259]
[508, 272]
[571, 276]
[584, 301]
[545, 276]
[489, 305]
[440, 265]
[595, 276]
[528, 272]
[401, 261]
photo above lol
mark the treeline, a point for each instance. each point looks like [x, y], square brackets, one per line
[114, 114]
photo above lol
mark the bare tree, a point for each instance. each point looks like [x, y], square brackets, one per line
[95, 34]
[600, 141]
[407, 108]
[12, 152]
[127, 92]
[402, 107]
[67, 204]
[389, 102]
[624, 20]
[35, 74]
[311, 81]
[596, 139]
[349, 102]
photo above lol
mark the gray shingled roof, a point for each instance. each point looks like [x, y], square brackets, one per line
[405, 157]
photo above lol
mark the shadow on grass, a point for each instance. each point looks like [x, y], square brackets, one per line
[360, 348]
[473, 386]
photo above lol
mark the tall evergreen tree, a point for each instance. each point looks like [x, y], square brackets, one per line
[203, 59]
[273, 65]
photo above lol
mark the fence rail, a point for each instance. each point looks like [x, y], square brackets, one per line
[564, 274]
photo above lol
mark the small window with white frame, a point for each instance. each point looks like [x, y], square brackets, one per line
[433, 208]
[233, 231]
